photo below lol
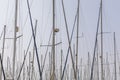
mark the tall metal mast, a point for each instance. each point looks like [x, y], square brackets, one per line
[97, 62]
[61, 62]
[88, 65]
[53, 43]
[102, 74]
[115, 57]
[77, 41]
[14, 43]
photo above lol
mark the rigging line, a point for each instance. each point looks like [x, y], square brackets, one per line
[69, 47]
[35, 45]
[46, 52]
[91, 76]
[24, 58]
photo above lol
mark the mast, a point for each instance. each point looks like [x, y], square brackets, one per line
[14, 43]
[115, 57]
[108, 75]
[88, 65]
[77, 41]
[50, 65]
[97, 62]
[61, 63]
[53, 41]
[102, 74]
[24, 68]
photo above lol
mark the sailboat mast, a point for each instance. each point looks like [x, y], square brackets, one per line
[97, 62]
[88, 65]
[102, 76]
[115, 57]
[53, 41]
[61, 63]
[77, 41]
[14, 43]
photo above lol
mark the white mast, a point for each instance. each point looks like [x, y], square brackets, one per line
[77, 41]
[102, 74]
[53, 46]
[14, 43]
[115, 58]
